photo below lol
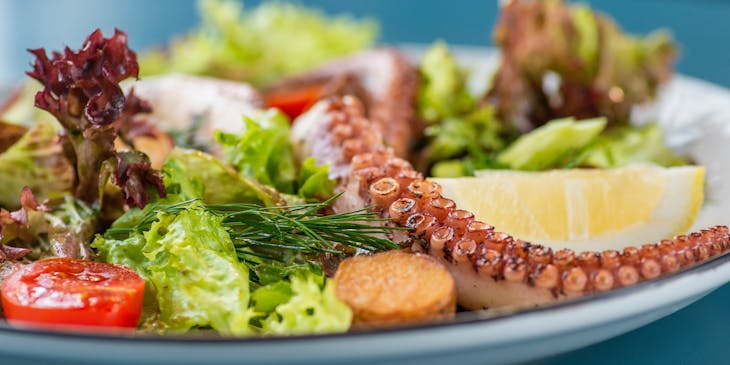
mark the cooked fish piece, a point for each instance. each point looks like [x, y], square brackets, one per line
[192, 108]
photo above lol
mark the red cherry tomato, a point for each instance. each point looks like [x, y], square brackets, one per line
[63, 292]
[294, 102]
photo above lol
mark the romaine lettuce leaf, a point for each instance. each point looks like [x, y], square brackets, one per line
[553, 145]
[190, 261]
[312, 307]
[262, 44]
[216, 181]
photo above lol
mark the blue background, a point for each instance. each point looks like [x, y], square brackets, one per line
[698, 334]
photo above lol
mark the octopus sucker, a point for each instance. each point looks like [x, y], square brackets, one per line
[490, 268]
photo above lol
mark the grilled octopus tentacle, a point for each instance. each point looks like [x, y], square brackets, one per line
[491, 268]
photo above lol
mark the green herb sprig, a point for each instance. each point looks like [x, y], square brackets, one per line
[277, 233]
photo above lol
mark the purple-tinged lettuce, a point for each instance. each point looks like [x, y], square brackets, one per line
[81, 89]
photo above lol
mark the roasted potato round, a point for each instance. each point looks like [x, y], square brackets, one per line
[395, 287]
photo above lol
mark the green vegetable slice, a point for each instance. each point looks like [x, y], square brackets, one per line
[552, 145]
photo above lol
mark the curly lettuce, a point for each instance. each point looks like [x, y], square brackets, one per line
[305, 304]
[264, 152]
[262, 44]
[190, 261]
[81, 89]
[461, 134]
[197, 278]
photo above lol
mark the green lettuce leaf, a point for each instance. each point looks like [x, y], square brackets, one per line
[264, 152]
[36, 160]
[306, 305]
[623, 146]
[462, 134]
[442, 92]
[191, 263]
[313, 182]
[555, 144]
[260, 45]
[217, 182]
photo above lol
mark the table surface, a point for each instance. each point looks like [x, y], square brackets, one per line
[697, 334]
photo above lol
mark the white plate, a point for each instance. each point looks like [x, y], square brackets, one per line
[696, 120]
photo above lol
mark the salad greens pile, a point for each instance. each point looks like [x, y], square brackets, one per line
[236, 43]
[198, 280]
[232, 244]
[236, 242]
[561, 60]
[220, 250]
[527, 120]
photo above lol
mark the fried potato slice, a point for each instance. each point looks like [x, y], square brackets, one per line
[395, 287]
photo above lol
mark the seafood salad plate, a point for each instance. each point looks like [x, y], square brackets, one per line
[273, 188]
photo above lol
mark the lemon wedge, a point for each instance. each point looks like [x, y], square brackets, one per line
[584, 209]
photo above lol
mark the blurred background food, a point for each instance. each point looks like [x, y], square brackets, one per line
[696, 25]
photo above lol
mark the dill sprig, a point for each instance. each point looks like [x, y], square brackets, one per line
[278, 233]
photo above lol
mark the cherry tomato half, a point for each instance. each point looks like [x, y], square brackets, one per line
[63, 292]
[294, 102]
